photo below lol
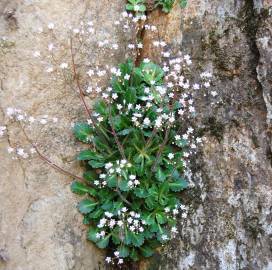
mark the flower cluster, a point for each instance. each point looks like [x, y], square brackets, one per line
[138, 142]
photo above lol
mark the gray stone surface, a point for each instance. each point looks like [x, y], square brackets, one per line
[230, 223]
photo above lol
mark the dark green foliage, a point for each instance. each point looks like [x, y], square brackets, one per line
[133, 171]
[138, 6]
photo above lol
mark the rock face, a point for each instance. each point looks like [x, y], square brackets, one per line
[229, 226]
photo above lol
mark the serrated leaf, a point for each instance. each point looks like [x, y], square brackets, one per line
[140, 192]
[89, 154]
[125, 132]
[123, 251]
[123, 185]
[80, 188]
[103, 243]
[178, 185]
[92, 234]
[146, 251]
[96, 214]
[112, 181]
[134, 255]
[136, 239]
[86, 206]
[83, 132]
[183, 3]
[130, 95]
[90, 176]
[160, 175]
[161, 218]
[96, 164]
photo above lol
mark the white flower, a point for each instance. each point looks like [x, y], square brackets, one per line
[108, 214]
[124, 209]
[63, 65]
[180, 112]
[164, 237]
[90, 72]
[108, 259]
[51, 26]
[146, 60]
[207, 84]
[166, 209]
[114, 96]
[175, 211]
[174, 230]
[171, 155]
[116, 253]
[36, 54]
[120, 223]
[132, 228]
[214, 93]
[10, 150]
[198, 140]
[96, 182]
[129, 220]
[100, 118]
[177, 137]
[50, 46]
[126, 77]
[158, 122]
[43, 121]
[120, 261]
[49, 69]
[196, 86]
[108, 165]
[132, 177]
[119, 106]
[10, 111]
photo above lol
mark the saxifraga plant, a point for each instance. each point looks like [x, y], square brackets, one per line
[139, 6]
[138, 141]
[133, 164]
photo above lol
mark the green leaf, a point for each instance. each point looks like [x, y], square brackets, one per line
[140, 192]
[125, 132]
[136, 239]
[160, 174]
[112, 181]
[103, 243]
[178, 185]
[101, 107]
[161, 218]
[96, 214]
[90, 176]
[130, 95]
[83, 132]
[146, 251]
[134, 255]
[96, 164]
[183, 3]
[120, 122]
[92, 234]
[89, 154]
[86, 206]
[123, 251]
[151, 72]
[80, 188]
[123, 185]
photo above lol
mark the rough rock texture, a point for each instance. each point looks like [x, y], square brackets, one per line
[230, 221]
[40, 227]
